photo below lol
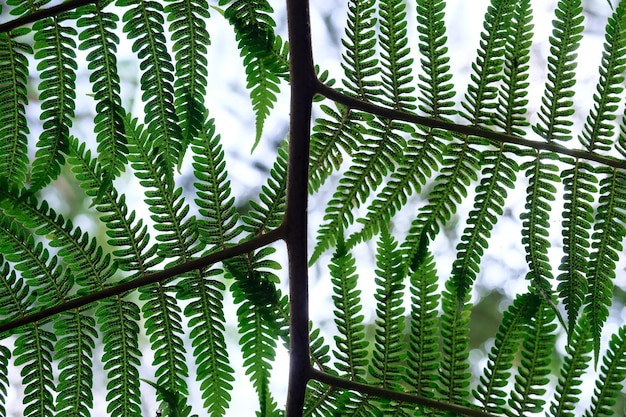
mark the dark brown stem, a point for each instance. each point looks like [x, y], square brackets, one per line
[354, 103]
[43, 13]
[403, 397]
[303, 81]
[244, 247]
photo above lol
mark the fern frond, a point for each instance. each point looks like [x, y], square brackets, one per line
[481, 97]
[206, 321]
[82, 255]
[117, 320]
[510, 114]
[536, 355]
[612, 374]
[130, 236]
[74, 353]
[97, 35]
[264, 52]
[336, 133]
[599, 126]
[577, 359]
[388, 354]
[579, 182]
[397, 88]
[535, 221]
[191, 40]
[55, 48]
[144, 23]
[557, 105]
[320, 399]
[13, 101]
[15, 297]
[218, 225]
[351, 345]
[424, 353]
[608, 235]
[491, 392]
[268, 213]
[33, 352]
[454, 375]
[373, 160]
[360, 63]
[5, 355]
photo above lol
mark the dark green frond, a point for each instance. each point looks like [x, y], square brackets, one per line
[579, 182]
[424, 351]
[611, 378]
[607, 245]
[577, 359]
[97, 35]
[435, 86]
[117, 320]
[320, 399]
[13, 101]
[268, 213]
[536, 219]
[511, 113]
[206, 321]
[264, 53]
[55, 50]
[481, 97]
[454, 375]
[144, 23]
[33, 353]
[74, 353]
[360, 63]
[129, 235]
[598, 130]
[218, 221]
[557, 105]
[5, 355]
[191, 41]
[536, 355]
[492, 391]
[351, 345]
[388, 354]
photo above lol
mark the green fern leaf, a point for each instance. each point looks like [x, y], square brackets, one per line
[480, 99]
[33, 352]
[144, 23]
[454, 375]
[117, 320]
[536, 355]
[612, 374]
[351, 345]
[191, 40]
[264, 52]
[388, 354]
[423, 354]
[73, 351]
[599, 125]
[5, 355]
[134, 251]
[491, 392]
[607, 238]
[320, 399]
[576, 360]
[579, 182]
[97, 35]
[13, 101]
[218, 224]
[55, 49]
[557, 105]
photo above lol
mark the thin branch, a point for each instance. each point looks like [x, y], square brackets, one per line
[404, 397]
[355, 103]
[44, 13]
[118, 289]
